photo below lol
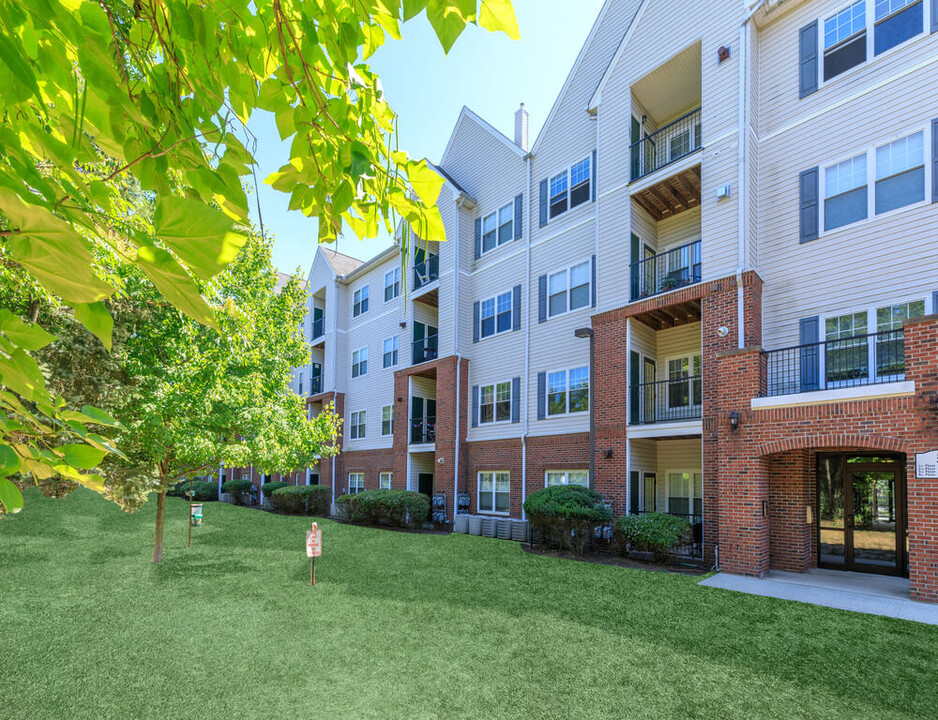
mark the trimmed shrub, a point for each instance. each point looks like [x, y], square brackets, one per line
[202, 491]
[567, 514]
[397, 508]
[656, 533]
[270, 487]
[303, 500]
[237, 489]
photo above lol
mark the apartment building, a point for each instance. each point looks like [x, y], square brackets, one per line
[708, 288]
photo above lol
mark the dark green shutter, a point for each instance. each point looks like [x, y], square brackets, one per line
[809, 332]
[541, 395]
[418, 344]
[934, 147]
[634, 267]
[634, 149]
[516, 307]
[634, 488]
[542, 299]
[519, 202]
[593, 285]
[809, 182]
[934, 303]
[634, 368]
[542, 208]
[516, 399]
[934, 19]
[475, 321]
[478, 233]
[475, 406]
[593, 176]
[808, 60]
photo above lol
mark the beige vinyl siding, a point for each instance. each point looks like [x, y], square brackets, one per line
[675, 342]
[643, 455]
[679, 230]
[420, 462]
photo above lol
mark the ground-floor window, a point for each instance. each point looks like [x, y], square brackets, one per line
[494, 490]
[356, 482]
[568, 477]
[384, 480]
[685, 493]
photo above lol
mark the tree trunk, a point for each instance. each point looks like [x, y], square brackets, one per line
[158, 535]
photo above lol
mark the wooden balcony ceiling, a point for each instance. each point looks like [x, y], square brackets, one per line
[672, 195]
[431, 298]
[669, 316]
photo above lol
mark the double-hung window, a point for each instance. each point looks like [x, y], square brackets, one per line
[684, 388]
[357, 425]
[387, 420]
[392, 284]
[494, 492]
[569, 289]
[568, 391]
[498, 227]
[301, 384]
[685, 494]
[489, 232]
[896, 21]
[495, 315]
[390, 352]
[384, 480]
[356, 482]
[568, 477]
[495, 403]
[845, 192]
[846, 357]
[360, 301]
[890, 345]
[845, 39]
[359, 362]
[900, 173]
[569, 188]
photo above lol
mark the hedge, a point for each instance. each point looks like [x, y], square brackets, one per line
[303, 499]
[270, 487]
[397, 508]
[237, 489]
[655, 532]
[567, 514]
[201, 491]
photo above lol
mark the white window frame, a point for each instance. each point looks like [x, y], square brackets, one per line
[494, 491]
[395, 284]
[566, 477]
[567, 272]
[495, 402]
[395, 356]
[385, 480]
[870, 27]
[693, 487]
[357, 369]
[363, 295]
[359, 483]
[510, 208]
[566, 392]
[689, 357]
[566, 173]
[494, 300]
[389, 420]
[870, 152]
[358, 425]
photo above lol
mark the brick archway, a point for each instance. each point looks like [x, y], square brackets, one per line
[885, 443]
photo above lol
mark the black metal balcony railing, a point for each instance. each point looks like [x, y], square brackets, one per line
[318, 328]
[425, 349]
[845, 362]
[426, 271]
[422, 431]
[666, 271]
[693, 547]
[666, 401]
[669, 144]
[315, 385]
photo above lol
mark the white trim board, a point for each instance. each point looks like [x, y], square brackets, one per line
[690, 427]
[903, 388]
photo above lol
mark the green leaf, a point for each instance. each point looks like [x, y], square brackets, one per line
[9, 461]
[413, 7]
[97, 319]
[425, 181]
[25, 335]
[10, 496]
[448, 19]
[22, 375]
[99, 416]
[201, 235]
[174, 283]
[83, 457]
[499, 15]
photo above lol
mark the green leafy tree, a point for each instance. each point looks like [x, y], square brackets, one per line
[99, 93]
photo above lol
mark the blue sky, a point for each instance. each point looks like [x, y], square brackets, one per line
[484, 71]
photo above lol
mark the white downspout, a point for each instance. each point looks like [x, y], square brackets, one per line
[527, 343]
[457, 271]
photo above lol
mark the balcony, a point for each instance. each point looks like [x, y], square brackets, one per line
[666, 271]
[426, 271]
[318, 328]
[855, 361]
[665, 401]
[315, 385]
[422, 431]
[674, 141]
[425, 349]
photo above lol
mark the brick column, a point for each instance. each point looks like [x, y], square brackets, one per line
[610, 396]
[791, 492]
[401, 429]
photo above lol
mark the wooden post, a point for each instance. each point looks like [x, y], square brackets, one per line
[312, 571]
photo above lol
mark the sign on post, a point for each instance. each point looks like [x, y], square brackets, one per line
[926, 465]
[313, 550]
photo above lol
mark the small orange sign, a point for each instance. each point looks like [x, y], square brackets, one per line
[314, 542]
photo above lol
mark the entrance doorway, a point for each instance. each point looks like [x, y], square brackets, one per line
[425, 484]
[861, 513]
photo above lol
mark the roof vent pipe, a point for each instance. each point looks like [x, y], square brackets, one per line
[521, 128]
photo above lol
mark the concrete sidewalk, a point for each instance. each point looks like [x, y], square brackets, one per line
[859, 592]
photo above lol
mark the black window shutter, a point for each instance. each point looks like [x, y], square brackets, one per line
[542, 299]
[634, 482]
[475, 406]
[475, 321]
[478, 238]
[542, 210]
[809, 332]
[593, 284]
[810, 189]
[541, 395]
[934, 303]
[593, 176]
[934, 140]
[807, 60]
[516, 399]
[516, 307]
[634, 365]
[519, 202]
[634, 267]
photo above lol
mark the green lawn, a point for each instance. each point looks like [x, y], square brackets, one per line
[406, 626]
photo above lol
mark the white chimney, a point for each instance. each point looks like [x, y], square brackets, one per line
[521, 128]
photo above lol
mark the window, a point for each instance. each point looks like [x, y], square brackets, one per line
[495, 403]
[890, 348]
[489, 232]
[494, 492]
[392, 284]
[357, 425]
[569, 289]
[301, 384]
[684, 388]
[384, 480]
[498, 227]
[846, 357]
[900, 173]
[390, 351]
[685, 494]
[360, 298]
[568, 477]
[495, 316]
[356, 482]
[387, 420]
[568, 391]
[896, 21]
[845, 39]
[359, 362]
[569, 188]
[845, 196]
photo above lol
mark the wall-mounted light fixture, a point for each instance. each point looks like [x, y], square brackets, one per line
[723, 54]
[734, 421]
[608, 453]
